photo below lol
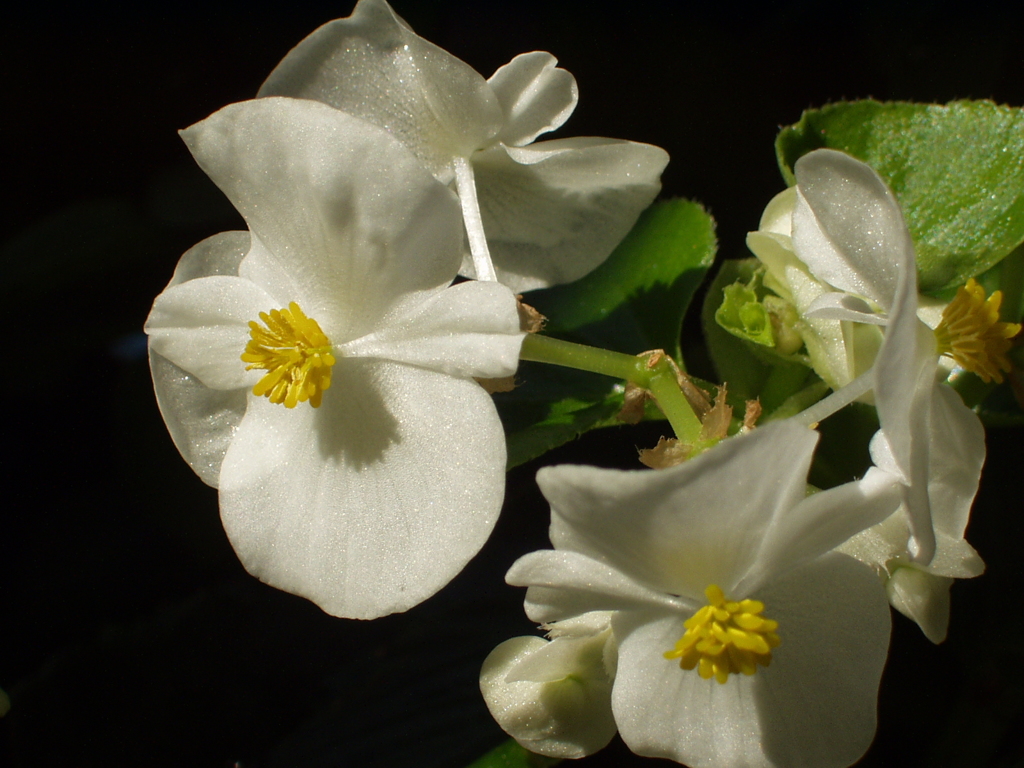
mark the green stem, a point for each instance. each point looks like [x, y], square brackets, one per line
[659, 379]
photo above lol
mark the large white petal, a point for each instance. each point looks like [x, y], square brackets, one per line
[374, 501]
[201, 420]
[956, 454]
[923, 598]
[814, 707]
[202, 326]
[555, 210]
[470, 329]
[359, 226]
[680, 529]
[535, 96]
[848, 227]
[373, 66]
[564, 584]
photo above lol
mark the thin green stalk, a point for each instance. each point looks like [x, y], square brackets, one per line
[658, 378]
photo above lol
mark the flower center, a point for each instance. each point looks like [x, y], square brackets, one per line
[295, 353]
[972, 334]
[725, 638]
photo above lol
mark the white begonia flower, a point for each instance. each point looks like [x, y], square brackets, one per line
[546, 212]
[554, 696]
[849, 230]
[716, 567]
[372, 495]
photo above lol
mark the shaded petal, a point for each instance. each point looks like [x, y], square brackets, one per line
[535, 97]
[360, 228]
[679, 529]
[778, 214]
[564, 584]
[201, 420]
[844, 306]
[814, 706]
[373, 66]
[555, 210]
[202, 326]
[923, 598]
[566, 716]
[848, 227]
[470, 329]
[956, 455]
[374, 501]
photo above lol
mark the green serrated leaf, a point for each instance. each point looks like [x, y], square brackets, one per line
[632, 303]
[636, 300]
[957, 170]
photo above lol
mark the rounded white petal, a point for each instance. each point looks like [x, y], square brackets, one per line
[814, 706]
[848, 227]
[201, 420]
[555, 210]
[371, 503]
[373, 66]
[360, 228]
[202, 326]
[470, 329]
[569, 715]
[778, 214]
[679, 529]
[535, 96]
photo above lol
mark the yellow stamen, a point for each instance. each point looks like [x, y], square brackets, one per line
[972, 334]
[725, 638]
[296, 354]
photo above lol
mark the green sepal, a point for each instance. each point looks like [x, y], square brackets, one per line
[743, 315]
[957, 170]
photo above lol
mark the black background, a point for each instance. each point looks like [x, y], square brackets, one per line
[129, 633]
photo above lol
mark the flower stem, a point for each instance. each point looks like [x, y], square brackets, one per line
[653, 372]
[465, 183]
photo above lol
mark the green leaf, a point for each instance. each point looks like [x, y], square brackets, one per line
[511, 755]
[632, 303]
[636, 300]
[957, 170]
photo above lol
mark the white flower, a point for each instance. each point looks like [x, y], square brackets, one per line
[338, 295]
[849, 230]
[551, 211]
[731, 529]
[554, 696]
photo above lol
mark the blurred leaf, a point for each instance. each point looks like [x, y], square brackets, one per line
[511, 755]
[632, 303]
[957, 170]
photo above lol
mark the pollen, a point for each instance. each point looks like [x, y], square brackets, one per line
[725, 638]
[972, 334]
[295, 353]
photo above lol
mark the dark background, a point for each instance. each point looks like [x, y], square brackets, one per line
[129, 633]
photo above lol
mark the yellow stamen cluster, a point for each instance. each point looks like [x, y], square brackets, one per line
[295, 353]
[725, 638]
[972, 334]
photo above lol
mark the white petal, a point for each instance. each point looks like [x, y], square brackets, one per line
[201, 420]
[923, 598]
[373, 66]
[470, 329]
[564, 584]
[778, 214]
[680, 529]
[202, 326]
[956, 454]
[822, 522]
[535, 96]
[848, 227]
[814, 706]
[374, 501]
[555, 210]
[844, 306]
[354, 220]
[569, 716]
